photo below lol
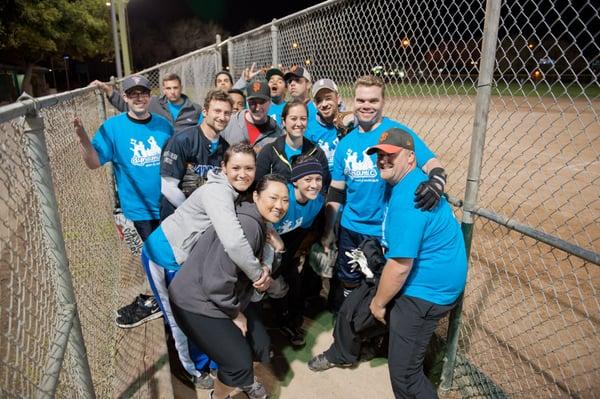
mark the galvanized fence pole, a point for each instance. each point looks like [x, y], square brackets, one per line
[482, 106]
[44, 190]
[230, 63]
[218, 57]
[274, 40]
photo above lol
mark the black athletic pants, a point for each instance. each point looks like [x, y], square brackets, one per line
[412, 322]
[223, 342]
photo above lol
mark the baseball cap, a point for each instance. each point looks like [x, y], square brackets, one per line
[392, 141]
[258, 89]
[323, 84]
[135, 81]
[297, 72]
[274, 71]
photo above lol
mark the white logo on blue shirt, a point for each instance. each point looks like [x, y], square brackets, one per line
[145, 156]
[329, 151]
[287, 226]
[364, 170]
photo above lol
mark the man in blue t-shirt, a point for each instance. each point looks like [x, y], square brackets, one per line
[133, 143]
[298, 82]
[357, 185]
[278, 91]
[326, 128]
[426, 267]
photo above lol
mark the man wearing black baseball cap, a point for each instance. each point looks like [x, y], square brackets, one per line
[253, 125]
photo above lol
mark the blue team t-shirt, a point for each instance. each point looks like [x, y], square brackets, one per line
[200, 118]
[324, 136]
[174, 109]
[275, 111]
[363, 211]
[134, 148]
[433, 239]
[312, 110]
[291, 152]
[299, 215]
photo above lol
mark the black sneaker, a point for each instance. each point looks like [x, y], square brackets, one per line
[203, 381]
[139, 300]
[294, 334]
[320, 363]
[140, 314]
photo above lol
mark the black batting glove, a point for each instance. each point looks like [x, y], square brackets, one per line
[429, 192]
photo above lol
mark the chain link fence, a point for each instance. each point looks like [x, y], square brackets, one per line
[104, 273]
[530, 317]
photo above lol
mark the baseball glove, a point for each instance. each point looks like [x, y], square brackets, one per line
[191, 181]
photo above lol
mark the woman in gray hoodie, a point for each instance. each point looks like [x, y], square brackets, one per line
[170, 244]
[210, 295]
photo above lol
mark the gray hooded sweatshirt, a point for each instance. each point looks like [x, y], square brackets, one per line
[211, 204]
[210, 283]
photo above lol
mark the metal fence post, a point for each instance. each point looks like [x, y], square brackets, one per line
[218, 57]
[274, 40]
[230, 62]
[42, 184]
[482, 106]
[101, 105]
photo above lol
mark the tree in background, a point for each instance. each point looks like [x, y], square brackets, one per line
[35, 30]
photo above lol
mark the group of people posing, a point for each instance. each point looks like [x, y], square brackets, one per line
[233, 197]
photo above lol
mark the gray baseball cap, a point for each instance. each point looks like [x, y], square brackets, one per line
[135, 81]
[323, 84]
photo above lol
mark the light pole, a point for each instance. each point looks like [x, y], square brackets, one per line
[124, 36]
[66, 59]
[115, 32]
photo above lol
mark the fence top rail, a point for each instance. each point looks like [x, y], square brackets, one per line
[28, 104]
[281, 20]
[207, 49]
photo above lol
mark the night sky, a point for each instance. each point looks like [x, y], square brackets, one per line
[233, 15]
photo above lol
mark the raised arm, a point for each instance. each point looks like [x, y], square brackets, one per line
[88, 152]
[221, 212]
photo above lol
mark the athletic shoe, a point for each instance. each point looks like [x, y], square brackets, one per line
[144, 312]
[320, 363]
[203, 381]
[256, 391]
[294, 334]
[138, 301]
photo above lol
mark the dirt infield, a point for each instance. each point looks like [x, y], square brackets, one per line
[531, 320]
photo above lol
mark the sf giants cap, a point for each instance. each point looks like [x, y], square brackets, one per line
[259, 89]
[323, 84]
[392, 141]
[297, 72]
[135, 81]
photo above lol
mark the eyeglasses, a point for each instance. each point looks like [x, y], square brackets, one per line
[136, 95]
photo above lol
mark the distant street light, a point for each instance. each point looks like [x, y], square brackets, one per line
[405, 42]
[307, 61]
[66, 59]
[295, 45]
[531, 45]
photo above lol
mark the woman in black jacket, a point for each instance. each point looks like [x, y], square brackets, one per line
[210, 295]
[278, 156]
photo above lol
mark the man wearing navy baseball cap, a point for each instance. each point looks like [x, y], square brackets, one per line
[423, 277]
